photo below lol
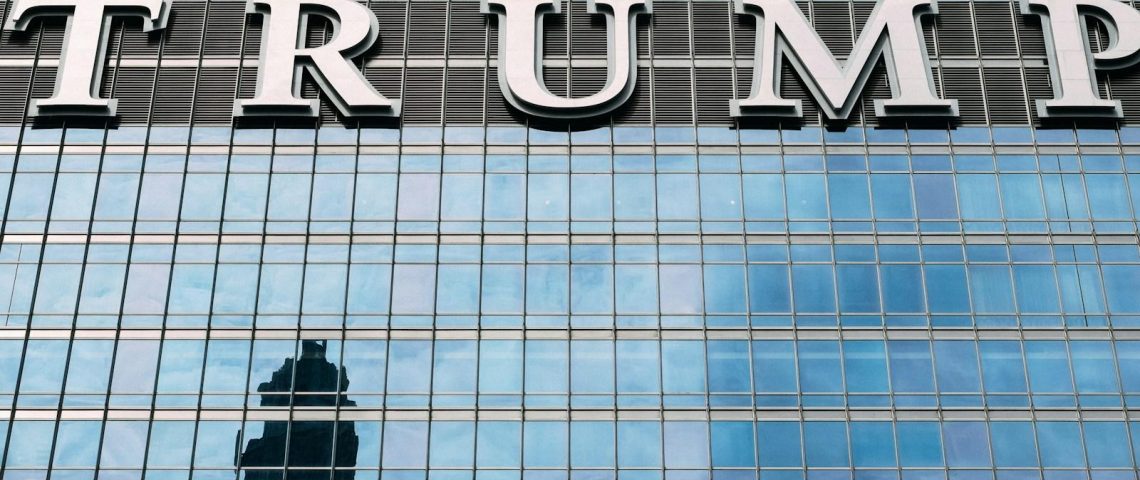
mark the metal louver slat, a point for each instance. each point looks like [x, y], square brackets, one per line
[587, 32]
[714, 92]
[427, 27]
[675, 87]
[172, 99]
[671, 29]
[1005, 96]
[423, 99]
[955, 29]
[225, 22]
[214, 98]
[710, 38]
[995, 23]
[392, 16]
[833, 22]
[467, 31]
[184, 29]
[463, 102]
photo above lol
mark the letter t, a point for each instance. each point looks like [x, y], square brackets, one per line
[80, 70]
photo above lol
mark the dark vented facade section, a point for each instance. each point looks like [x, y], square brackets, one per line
[427, 27]
[1126, 88]
[133, 88]
[996, 27]
[955, 30]
[183, 34]
[792, 87]
[675, 87]
[43, 83]
[172, 103]
[467, 30]
[555, 30]
[586, 81]
[1005, 96]
[424, 100]
[714, 93]
[14, 95]
[389, 81]
[744, 30]
[225, 22]
[463, 102]
[671, 29]
[128, 39]
[833, 22]
[587, 32]
[965, 85]
[1038, 85]
[498, 112]
[1029, 34]
[639, 108]
[556, 80]
[393, 17]
[214, 99]
[878, 88]
[710, 37]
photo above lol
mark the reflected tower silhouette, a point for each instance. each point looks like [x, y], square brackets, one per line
[311, 443]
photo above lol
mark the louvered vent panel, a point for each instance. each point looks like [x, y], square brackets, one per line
[52, 33]
[423, 100]
[555, 79]
[492, 35]
[714, 94]
[791, 87]
[467, 34]
[1098, 37]
[743, 82]
[1005, 96]
[128, 38]
[14, 95]
[427, 28]
[1126, 88]
[710, 37]
[1038, 85]
[805, 8]
[555, 32]
[214, 99]
[464, 100]
[878, 88]
[744, 30]
[1030, 34]
[639, 109]
[860, 12]
[173, 95]
[674, 86]
[43, 83]
[225, 22]
[253, 28]
[392, 16]
[965, 85]
[955, 29]
[927, 23]
[183, 34]
[389, 81]
[587, 32]
[644, 45]
[586, 81]
[498, 111]
[133, 88]
[319, 31]
[996, 26]
[671, 29]
[833, 22]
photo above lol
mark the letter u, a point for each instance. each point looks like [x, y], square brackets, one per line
[520, 56]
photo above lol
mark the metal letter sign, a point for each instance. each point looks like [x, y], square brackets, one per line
[520, 56]
[284, 57]
[1072, 64]
[891, 33]
[80, 69]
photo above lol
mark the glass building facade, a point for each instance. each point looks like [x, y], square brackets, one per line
[469, 293]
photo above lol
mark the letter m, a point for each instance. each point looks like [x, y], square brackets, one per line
[892, 33]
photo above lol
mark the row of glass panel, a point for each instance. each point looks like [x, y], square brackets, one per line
[506, 446]
[371, 202]
[582, 373]
[520, 135]
[54, 293]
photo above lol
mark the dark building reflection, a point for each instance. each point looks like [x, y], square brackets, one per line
[316, 382]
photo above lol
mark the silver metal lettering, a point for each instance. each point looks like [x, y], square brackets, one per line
[284, 57]
[80, 70]
[891, 33]
[1072, 64]
[520, 56]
